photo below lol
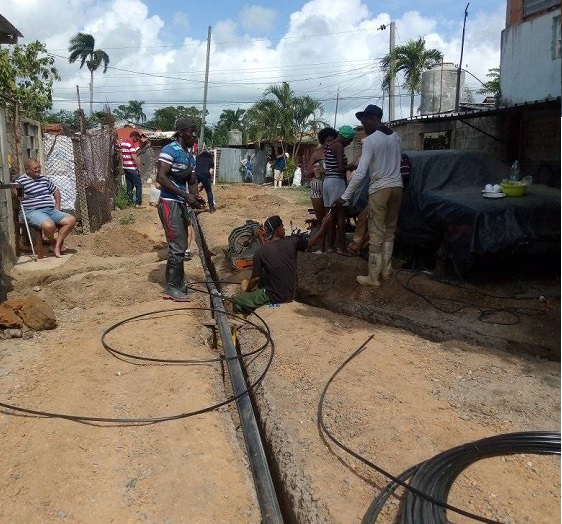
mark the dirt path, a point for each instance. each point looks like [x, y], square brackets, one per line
[404, 399]
[187, 470]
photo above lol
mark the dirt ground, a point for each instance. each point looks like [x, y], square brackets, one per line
[427, 381]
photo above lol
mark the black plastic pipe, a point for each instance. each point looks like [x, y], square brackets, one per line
[265, 490]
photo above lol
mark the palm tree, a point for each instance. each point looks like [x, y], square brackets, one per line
[82, 46]
[231, 119]
[284, 117]
[136, 111]
[410, 59]
[307, 113]
[492, 86]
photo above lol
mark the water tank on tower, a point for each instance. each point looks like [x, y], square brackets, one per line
[235, 137]
[439, 87]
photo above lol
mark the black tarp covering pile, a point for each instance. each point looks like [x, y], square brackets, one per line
[443, 208]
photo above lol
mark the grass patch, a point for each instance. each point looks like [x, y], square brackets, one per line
[298, 195]
[129, 219]
[121, 198]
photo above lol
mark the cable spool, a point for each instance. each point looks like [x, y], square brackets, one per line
[243, 242]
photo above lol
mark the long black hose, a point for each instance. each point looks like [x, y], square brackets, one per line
[264, 329]
[431, 480]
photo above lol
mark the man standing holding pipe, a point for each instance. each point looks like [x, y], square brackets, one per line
[176, 165]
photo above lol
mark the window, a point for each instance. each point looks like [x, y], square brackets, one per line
[532, 7]
[437, 140]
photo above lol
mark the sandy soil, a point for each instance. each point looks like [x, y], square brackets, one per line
[404, 399]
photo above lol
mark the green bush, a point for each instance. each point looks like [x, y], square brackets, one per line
[289, 170]
[129, 219]
[121, 198]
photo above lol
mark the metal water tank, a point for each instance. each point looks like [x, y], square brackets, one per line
[235, 137]
[438, 89]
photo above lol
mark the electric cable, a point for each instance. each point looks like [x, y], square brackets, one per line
[434, 482]
[153, 420]
[485, 311]
[114, 351]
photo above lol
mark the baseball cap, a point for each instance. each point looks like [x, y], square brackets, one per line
[184, 122]
[271, 224]
[370, 110]
[347, 132]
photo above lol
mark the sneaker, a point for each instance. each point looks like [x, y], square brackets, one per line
[139, 206]
[188, 255]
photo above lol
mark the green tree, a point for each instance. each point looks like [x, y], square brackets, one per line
[411, 60]
[26, 77]
[131, 111]
[229, 119]
[69, 119]
[283, 118]
[492, 86]
[165, 117]
[82, 47]
[136, 109]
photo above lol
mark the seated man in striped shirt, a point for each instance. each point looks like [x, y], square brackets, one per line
[41, 205]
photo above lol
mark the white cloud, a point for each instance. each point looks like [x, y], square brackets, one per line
[181, 20]
[257, 19]
[328, 45]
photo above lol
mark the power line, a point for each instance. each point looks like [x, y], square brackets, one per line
[241, 41]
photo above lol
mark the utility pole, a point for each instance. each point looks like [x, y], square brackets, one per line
[391, 97]
[81, 120]
[202, 133]
[459, 70]
[337, 102]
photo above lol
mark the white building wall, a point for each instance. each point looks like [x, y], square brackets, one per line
[530, 60]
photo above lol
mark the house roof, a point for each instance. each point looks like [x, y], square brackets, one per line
[475, 113]
[8, 33]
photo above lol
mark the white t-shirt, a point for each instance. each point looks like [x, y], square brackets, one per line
[381, 159]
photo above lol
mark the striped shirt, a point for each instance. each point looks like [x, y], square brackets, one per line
[37, 192]
[331, 163]
[179, 159]
[128, 149]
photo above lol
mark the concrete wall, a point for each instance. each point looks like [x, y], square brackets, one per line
[530, 60]
[463, 136]
[530, 134]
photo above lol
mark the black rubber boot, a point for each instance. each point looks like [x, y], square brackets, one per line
[174, 283]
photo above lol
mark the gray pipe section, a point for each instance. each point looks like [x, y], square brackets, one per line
[267, 498]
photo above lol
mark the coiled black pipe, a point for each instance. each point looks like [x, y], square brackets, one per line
[431, 480]
[436, 476]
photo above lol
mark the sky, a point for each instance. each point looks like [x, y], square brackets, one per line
[328, 49]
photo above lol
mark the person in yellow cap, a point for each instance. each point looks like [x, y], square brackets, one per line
[336, 166]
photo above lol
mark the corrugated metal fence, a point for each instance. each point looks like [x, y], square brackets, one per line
[229, 161]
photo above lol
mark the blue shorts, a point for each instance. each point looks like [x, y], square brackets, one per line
[36, 217]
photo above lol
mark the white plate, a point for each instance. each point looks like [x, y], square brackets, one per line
[493, 195]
